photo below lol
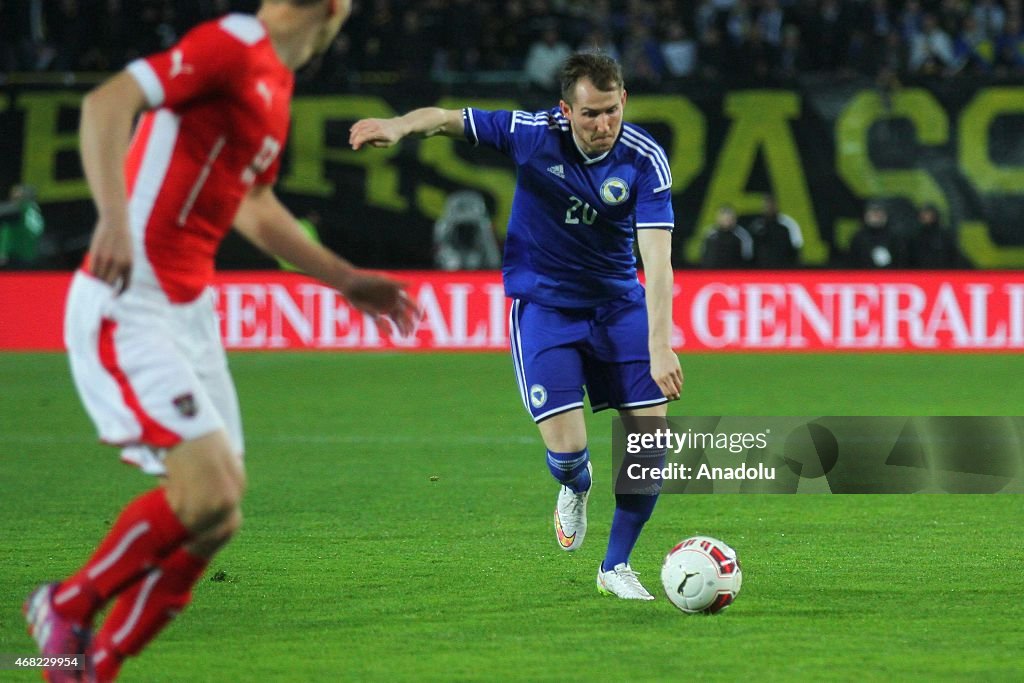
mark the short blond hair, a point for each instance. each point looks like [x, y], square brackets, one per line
[603, 71]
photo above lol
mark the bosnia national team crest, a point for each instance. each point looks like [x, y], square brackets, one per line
[538, 395]
[614, 191]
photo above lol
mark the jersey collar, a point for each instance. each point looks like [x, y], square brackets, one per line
[587, 160]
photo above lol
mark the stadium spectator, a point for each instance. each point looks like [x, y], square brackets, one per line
[570, 270]
[911, 20]
[400, 38]
[754, 57]
[32, 46]
[460, 25]
[792, 56]
[738, 21]
[877, 21]
[68, 31]
[867, 35]
[679, 51]
[641, 55]
[931, 49]
[416, 59]
[140, 325]
[712, 55]
[777, 237]
[21, 227]
[705, 20]
[378, 35]
[598, 42]
[727, 244]
[826, 36]
[891, 61]
[597, 13]
[770, 21]
[951, 14]
[876, 244]
[989, 17]
[545, 59]
[932, 246]
[973, 49]
[150, 25]
[1010, 46]
[113, 41]
[506, 37]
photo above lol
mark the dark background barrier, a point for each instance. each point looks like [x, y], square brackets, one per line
[822, 147]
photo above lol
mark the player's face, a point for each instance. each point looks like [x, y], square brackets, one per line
[595, 116]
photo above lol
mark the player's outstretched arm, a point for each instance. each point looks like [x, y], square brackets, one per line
[108, 113]
[422, 122]
[268, 224]
[656, 252]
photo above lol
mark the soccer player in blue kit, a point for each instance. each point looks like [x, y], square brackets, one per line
[587, 182]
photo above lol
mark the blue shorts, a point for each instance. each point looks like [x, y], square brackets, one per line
[558, 351]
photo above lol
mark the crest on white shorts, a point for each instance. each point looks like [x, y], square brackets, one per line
[186, 405]
[538, 395]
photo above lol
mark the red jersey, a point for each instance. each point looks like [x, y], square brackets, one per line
[220, 103]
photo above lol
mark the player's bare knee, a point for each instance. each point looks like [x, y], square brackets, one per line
[224, 502]
[222, 496]
[564, 433]
[227, 485]
[564, 441]
[207, 543]
[205, 482]
[205, 508]
[228, 527]
[566, 446]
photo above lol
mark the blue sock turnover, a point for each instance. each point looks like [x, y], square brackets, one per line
[570, 469]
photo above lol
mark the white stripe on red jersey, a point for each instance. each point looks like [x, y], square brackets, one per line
[221, 99]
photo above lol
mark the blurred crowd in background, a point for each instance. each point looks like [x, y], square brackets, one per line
[525, 40]
[774, 239]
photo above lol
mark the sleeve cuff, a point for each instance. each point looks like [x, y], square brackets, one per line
[469, 126]
[147, 79]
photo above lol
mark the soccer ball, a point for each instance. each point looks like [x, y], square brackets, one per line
[701, 575]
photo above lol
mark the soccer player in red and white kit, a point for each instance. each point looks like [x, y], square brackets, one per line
[140, 327]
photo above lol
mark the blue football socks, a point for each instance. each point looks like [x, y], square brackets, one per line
[632, 510]
[570, 469]
[631, 513]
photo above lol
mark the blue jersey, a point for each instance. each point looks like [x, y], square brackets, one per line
[570, 235]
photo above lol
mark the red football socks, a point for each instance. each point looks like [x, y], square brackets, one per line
[145, 532]
[143, 609]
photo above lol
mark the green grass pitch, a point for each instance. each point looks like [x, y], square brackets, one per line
[354, 564]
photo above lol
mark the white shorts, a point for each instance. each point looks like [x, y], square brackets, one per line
[150, 373]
